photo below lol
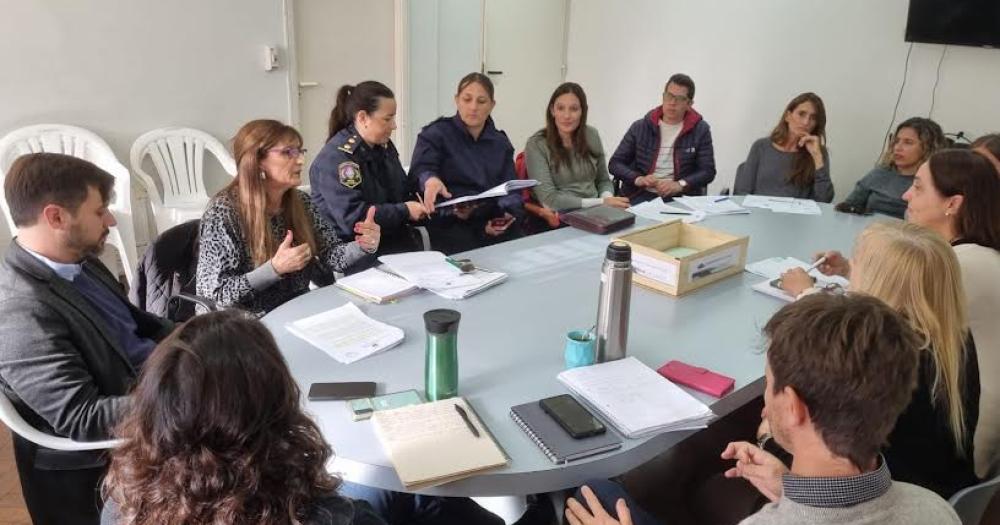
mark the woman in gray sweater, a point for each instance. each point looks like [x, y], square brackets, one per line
[882, 189]
[566, 157]
[793, 161]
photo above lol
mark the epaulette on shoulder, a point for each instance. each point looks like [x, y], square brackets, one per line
[349, 144]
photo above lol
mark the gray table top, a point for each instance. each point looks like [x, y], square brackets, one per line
[511, 341]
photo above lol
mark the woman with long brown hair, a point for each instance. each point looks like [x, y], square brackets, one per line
[215, 434]
[566, 156]
[261, 240]
[793, 161]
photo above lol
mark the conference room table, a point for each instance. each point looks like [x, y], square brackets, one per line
[511, 340]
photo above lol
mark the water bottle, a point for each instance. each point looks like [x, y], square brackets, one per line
[441, 357]
[613, 303]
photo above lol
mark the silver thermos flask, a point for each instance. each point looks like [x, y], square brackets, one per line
[613, 303]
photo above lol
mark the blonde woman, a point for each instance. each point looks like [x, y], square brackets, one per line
[261, 240]
[913, 270]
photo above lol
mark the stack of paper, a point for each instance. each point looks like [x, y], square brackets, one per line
[772, 268]
[496, 191]
[658, 210]
[636, 399]
[783, 204]
[346, 333]
[376, 286]
[433, 443]
[432, 271]
[712, 205]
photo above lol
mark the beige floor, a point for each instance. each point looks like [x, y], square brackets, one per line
[12, 511]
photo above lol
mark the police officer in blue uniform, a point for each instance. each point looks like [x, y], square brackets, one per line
[359, 167]
[465, 155]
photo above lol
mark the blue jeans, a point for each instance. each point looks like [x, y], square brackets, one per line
[608, 493]
[401, 507]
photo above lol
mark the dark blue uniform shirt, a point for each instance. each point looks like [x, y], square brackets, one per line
[467, 166]
[348, 176]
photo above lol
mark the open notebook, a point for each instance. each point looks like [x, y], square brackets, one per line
[376, 286]
[635, 399]
[430, 444]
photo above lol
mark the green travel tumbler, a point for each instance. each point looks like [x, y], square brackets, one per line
[441, 359]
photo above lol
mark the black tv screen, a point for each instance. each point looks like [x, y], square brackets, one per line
[958, 22]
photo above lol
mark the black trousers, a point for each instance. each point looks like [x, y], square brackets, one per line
[450, 237]
[59, 487]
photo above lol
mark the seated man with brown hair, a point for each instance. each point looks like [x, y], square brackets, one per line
[71, 345]
[840, 369]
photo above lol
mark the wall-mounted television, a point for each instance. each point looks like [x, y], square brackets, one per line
[957, 22]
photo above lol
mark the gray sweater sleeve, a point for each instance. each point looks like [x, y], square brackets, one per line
[822, 184]
[604, 185]
[746, 173]
[336, 254]
[859, 195]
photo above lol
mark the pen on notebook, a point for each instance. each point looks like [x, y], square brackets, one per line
[675, 213]
[816, 264]
[720, 199]
[465, 417]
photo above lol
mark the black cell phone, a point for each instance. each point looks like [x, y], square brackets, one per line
[572, 416]
[341, 391]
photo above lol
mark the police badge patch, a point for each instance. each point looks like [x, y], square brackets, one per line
[350, 174]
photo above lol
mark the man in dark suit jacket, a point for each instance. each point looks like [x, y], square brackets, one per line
[71, 345]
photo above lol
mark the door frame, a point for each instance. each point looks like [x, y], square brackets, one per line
[400, 66]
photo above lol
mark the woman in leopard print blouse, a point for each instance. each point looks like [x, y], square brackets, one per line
[261, 240]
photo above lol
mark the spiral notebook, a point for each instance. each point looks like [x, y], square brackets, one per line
[555, 442]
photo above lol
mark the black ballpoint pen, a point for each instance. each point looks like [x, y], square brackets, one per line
[465, 417]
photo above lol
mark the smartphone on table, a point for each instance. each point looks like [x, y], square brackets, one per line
[341, 391]
[572, 416]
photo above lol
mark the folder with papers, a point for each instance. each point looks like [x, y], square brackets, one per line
[635, 399]
[496, 191]
[431, 271]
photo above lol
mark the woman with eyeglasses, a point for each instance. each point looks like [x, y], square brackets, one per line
[359, 168]
[464, 155]
[793, 161]
[261, 240]
[882, 189]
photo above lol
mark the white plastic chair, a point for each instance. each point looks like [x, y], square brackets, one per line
[17, 424]
[83, 144]
[970, 503]
[178, 156]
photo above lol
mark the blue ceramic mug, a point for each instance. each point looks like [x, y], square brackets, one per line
[579, 348]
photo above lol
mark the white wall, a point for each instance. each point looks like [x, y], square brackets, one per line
[445, 44]
[749, 58]
[123, 67]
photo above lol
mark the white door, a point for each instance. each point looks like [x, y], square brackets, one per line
[338, 42]
[524, 55]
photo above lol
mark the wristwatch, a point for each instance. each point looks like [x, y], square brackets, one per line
[683, 183]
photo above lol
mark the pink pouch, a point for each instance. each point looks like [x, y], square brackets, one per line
[700, 379]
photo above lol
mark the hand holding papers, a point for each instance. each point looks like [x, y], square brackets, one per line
[346, 333]
[773, 267]
[496, 191]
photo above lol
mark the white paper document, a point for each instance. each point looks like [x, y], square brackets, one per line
[772, 268]
[712, 204]
[432, 271]
[496, 191]
[637, 400]
[783, 204]
[346, 333]
[658, 210]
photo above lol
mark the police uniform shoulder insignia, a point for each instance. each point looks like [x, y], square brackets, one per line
[348, 147]
[349, 173]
